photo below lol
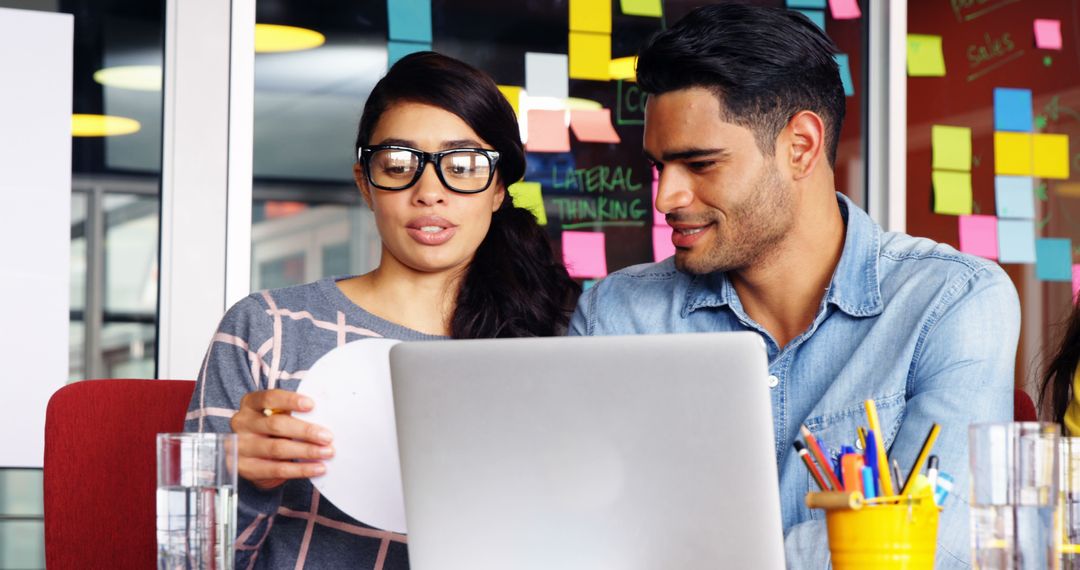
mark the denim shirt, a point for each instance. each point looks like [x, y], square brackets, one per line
[928, 333]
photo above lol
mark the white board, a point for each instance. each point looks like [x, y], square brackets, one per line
[35, 223]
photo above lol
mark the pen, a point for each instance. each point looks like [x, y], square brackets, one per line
[896, 470]
[868, 482]
[815, 449]
[927, 445]
[801, 449]
[879, 441]
[932, 472]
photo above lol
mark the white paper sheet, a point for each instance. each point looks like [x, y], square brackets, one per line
[353, 399]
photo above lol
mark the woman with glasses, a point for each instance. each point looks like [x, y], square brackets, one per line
[437, 147]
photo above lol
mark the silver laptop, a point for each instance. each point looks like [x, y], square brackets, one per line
[621, 453]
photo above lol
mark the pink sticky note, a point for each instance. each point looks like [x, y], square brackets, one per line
[844, 9]
[1076, 283]
[583, 254]
[658, 219]
[1048, 34]
[548, 132]
[593, 125]
[661, 243]
[978, 236]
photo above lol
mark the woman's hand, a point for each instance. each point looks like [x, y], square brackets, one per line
[268, 444]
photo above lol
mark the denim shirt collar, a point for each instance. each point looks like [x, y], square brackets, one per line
[854, 289]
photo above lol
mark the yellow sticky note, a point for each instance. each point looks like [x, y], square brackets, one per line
[590, 16]
[590, 55]
[512, 94]
[624, 68]
[924, 56]
[952, 192]
[951, 147]
[527, 195]
[651, 8]
[1012, 153]
[1051, 154]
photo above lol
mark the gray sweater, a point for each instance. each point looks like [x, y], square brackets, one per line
[269, 340]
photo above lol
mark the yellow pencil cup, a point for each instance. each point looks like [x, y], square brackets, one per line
[883, 537]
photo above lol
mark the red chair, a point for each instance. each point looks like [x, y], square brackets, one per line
[100, 470]
[1023, 407]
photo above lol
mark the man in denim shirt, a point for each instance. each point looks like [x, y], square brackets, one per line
[742, 123]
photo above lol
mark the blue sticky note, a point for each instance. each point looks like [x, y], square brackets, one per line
[1016, 241]
[398, 50]
[1015, 197]
[816, 16]
[410, 20]
[588, 284]
[806, 4]
[1012, 109]
[845, 74]
[1054, 259]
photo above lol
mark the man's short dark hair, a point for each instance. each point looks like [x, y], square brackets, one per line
[763, 64]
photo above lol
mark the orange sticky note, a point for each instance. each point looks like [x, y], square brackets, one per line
[590, 56]
[548, 132]
[1051, 155]
[593, 125]
[1012, 153]
[584, 254]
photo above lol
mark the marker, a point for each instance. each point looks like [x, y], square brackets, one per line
[851, 467]
[882, 459]
[944, 487]
[916, 467]
[868, 482]
[805, 455]
[932, 472]
[815, 449]
[871, 462]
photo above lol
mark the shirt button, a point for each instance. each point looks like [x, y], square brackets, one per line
[773, 381]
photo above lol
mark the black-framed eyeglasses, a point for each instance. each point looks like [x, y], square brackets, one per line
[461, 170]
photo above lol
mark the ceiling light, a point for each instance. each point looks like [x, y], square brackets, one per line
[272, 38]
[102, 125]
[137, 77]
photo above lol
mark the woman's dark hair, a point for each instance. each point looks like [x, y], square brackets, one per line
[1058, 375]
[514, 286]
[763, 64]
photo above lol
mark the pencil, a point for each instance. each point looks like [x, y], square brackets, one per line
[882, 459]
[924, 453]
[805, 455]
[815, 449]
[862, 437]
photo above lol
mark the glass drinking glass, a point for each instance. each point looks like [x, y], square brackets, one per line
[196, 500]
[1014, 495]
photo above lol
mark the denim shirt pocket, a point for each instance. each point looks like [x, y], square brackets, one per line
[837, 428]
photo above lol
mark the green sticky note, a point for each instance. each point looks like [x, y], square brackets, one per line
[651, 8]
[951, 147]
[924, 56]
[952, 193]
[527, 195]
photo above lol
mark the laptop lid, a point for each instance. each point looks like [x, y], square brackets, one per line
[588, 452]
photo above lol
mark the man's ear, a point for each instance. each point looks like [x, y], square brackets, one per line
[362, 184]
[804, 143]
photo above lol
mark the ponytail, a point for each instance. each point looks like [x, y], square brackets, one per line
[514, 287]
